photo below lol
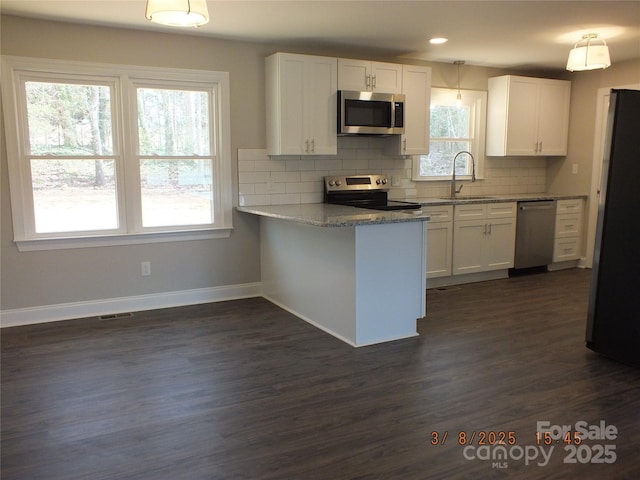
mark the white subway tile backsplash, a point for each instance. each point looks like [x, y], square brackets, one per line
[249, 200]
[291, 179]
[270, 188]
[328, 164]
[311, 197]
[246, 165]
[285, 177]
[358, 164]
[293, 187]
[298, 165]
[253, 177]
[380, 164]
[313, 176]
[252, 154]
[246, 188]
[285, 199]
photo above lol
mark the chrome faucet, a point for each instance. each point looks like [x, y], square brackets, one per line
[453, 173]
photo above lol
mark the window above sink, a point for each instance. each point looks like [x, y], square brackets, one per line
[453, 128]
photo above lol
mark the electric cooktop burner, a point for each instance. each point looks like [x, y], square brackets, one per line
[363, 191]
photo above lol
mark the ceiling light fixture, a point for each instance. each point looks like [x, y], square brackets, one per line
[438, 40]
[590, 53]
[178, 13]
[458, 63]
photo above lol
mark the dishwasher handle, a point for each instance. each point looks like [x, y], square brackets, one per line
[537, 205]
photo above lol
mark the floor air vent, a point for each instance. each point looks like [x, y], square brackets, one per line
[445, 289]
[115, 315]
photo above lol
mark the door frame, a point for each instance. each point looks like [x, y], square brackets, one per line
[600, 130]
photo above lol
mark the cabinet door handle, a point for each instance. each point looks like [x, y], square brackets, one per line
[484, 231]
[368, 81]
[306, 145]
[404, 144]
[374, 81]
[540, 151]
[313, 145]
[489, 229]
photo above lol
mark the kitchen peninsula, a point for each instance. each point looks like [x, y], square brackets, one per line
[357, 274]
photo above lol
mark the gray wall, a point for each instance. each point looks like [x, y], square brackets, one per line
[31, 279]
[52, 277]
[582, 121]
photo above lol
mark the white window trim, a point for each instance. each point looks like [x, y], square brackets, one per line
[479, 98]
[19, 175]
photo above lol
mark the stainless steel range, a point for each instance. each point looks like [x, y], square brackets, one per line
[363, 191]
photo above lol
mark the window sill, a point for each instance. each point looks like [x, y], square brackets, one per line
[117, 240]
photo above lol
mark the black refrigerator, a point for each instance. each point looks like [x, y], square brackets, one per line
[613, 324]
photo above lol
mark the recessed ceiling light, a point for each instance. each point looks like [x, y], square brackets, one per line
[438, 40]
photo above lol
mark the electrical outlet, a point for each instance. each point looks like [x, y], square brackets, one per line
[574, 168]
[145, 269]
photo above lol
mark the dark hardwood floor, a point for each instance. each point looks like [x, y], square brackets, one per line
[244, 390]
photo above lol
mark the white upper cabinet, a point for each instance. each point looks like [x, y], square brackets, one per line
[416, 87]
[301, 104]
[527, 116]
[364, 75]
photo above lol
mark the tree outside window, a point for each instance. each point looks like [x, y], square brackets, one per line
[175, 157]
[453, 128]
[71, 150]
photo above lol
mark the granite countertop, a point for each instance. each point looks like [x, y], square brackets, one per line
[328, 215]
[516, 197]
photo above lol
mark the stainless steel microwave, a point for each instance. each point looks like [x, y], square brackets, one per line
[370, 113]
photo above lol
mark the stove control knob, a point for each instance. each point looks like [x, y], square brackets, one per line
[384, 181]
[331, 183]
[377, 181]
[338, 183]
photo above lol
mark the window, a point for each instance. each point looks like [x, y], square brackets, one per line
[113, 154]
[174, 154]
[453, 128]
[70, 154]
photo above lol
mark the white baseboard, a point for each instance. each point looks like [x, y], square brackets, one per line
[312, 322]
[94, 308]
[331, 332]
[467, 278]
[554, 267]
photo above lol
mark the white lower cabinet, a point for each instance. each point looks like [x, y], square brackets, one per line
[483, 237]
[500, 245]
[568, 236]
[468, 240]
[439, 240]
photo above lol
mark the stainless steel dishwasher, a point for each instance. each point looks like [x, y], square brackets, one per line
[535, 229]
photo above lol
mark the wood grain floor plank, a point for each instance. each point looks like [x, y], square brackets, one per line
[244, 390]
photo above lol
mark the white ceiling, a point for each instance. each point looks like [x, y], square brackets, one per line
[515, 34]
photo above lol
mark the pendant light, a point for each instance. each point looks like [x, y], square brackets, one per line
[178, 13]
[590, 53]
[458, 63]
